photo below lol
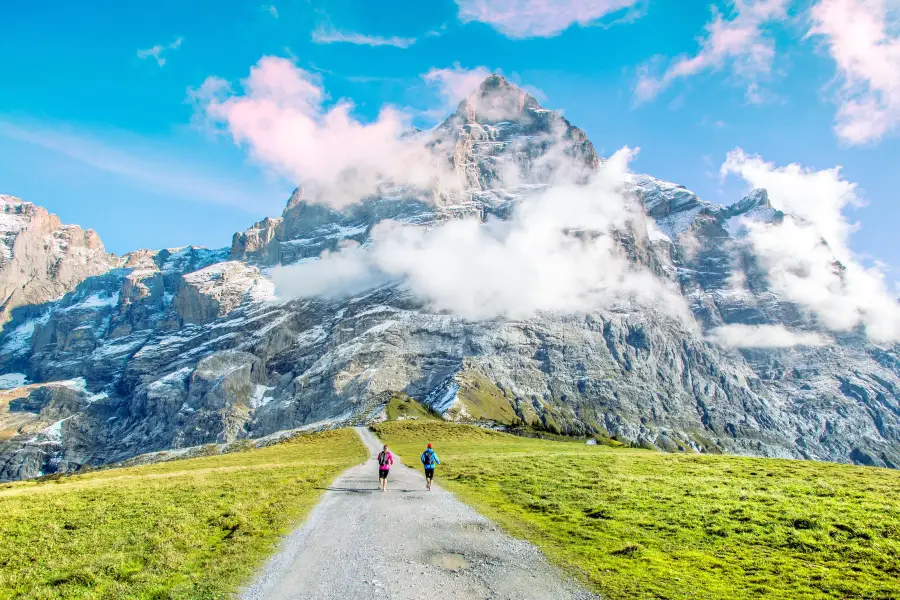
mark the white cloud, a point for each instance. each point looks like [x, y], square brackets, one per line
[156, 52]
[538, 18]
[281, 118]
[130, 159]
[556, 252]
[329, 35]
[271, 9]
[764, 336]
[864, 41]
[738, 41]
[807, 259]
[817, 197]
[455, 83]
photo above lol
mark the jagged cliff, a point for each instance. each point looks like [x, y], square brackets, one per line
[176, 348]
[40, 258]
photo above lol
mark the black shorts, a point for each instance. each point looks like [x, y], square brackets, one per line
[383, 473]
[429, 473]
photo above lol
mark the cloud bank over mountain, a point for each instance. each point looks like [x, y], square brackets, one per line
[558, 252]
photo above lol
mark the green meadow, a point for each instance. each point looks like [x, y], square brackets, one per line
[194, 528]
[634, 523]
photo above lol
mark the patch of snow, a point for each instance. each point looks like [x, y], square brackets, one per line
[380, 328]
[93, 302]
[655, 234]
[312, 335]
[12, 380]
[341, 231]
[449, 398]
[273, 323]
[118, 349]
[78, 384]
[19, 339]
[263, 291]
[175, 377]
[375, 310]
[677, 223]
[53, 433]
[259, 397]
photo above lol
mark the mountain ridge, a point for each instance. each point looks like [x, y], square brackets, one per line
[183, 347]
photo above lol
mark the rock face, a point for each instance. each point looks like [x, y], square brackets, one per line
[218, 289]
[40, 258]
[175, 348]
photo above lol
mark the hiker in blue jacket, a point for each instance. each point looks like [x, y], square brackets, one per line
[429, 460]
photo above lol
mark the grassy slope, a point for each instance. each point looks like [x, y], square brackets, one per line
[484, 400]
[404, 407]
[640, 524]
[184, 529]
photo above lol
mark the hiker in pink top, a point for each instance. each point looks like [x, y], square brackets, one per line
[385, 460]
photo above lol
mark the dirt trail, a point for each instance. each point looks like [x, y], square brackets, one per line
[403, 544]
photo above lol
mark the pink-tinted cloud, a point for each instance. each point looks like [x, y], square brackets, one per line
[538, 18]
[865, 44]
[738, 41]
[279, 116]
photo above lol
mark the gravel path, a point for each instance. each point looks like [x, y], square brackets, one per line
[403, 544]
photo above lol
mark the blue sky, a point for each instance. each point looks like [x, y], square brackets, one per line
[97, 122]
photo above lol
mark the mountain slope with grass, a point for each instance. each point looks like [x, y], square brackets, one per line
[194, 528]
[635, 523]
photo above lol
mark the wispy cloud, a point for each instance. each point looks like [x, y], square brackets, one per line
[271, 9]
[456, 83]
[864, 42]
[326, 34]
[156, 52]
[765, 336]
[538, 18]
[145, 169]
[738, 41]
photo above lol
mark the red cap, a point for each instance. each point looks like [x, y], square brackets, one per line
[429, 445]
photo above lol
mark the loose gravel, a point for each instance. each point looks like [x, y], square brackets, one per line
[404, 544]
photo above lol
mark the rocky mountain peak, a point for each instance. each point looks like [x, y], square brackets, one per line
[497, 100]
[756, 199]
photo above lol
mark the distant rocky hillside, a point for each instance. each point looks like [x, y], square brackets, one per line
[176, 348]
[40, 258]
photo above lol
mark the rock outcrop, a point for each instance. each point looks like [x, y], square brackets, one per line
[40, 258]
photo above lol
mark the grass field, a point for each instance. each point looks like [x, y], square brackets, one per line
[641, 524]
[184, 529]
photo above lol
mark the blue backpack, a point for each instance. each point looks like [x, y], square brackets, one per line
[428, 458]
